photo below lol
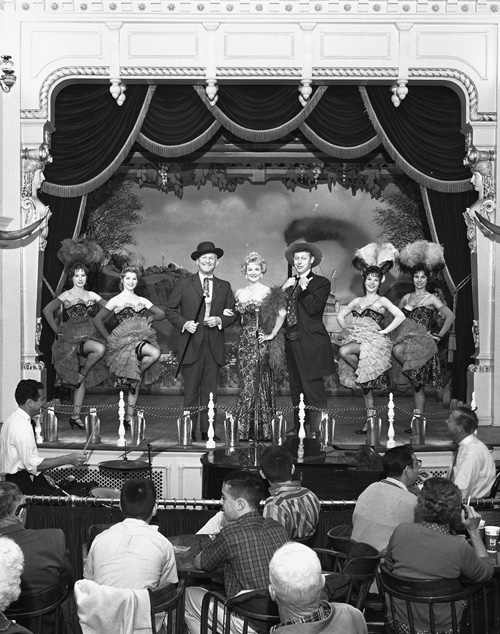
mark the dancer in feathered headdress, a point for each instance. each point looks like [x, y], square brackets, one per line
[365, 353]
[415, 347]
[133, 349]
[78, 349]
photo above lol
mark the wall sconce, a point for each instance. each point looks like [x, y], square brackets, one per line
[7, 79]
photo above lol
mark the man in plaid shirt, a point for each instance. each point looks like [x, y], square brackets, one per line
[290, 504]
[244, 547]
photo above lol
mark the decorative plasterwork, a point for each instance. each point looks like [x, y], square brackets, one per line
[461, 9]
[198, 73]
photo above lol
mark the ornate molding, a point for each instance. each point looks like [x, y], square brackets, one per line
[161, 71]
[479, 368]
[361, 73]
[55, 77]
[259, 72]
[470, 221]
[467, 83]
[251, 73]
[39, 365]
[438, 9]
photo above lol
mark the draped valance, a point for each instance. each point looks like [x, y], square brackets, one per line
[423, 136]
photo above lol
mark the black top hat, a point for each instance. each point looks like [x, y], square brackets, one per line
[206, 247]
[313, 249]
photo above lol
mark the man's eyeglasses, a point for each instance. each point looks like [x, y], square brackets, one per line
[20, 508]
[418, 464]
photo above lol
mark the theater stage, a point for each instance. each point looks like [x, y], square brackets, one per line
[177, 470]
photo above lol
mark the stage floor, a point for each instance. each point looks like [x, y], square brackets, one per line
[161, 413]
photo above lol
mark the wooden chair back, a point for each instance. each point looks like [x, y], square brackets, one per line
[36, 606]
[403, 595]
[256, 610]
[168, 600]
[358, 566]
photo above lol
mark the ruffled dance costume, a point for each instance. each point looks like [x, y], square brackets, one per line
[375, 352]
[421, 361]
[124, 347]
[77, 328]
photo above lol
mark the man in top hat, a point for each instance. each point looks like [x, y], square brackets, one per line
[308, 348]
[196, 308]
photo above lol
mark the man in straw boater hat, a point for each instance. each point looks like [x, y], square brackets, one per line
[196, 308]
[308, 348]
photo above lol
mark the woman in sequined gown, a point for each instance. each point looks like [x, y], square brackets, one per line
[132, 347]
[78, 350]
[365, 353]
[262, 312]
[415, 346]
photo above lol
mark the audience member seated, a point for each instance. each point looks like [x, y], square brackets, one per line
[19, 456]
[290, 504]
[46, 558]
[473, 468]
[133, 554]
[295, 583]
[11, 568]
[384, 505]
[244, 546]
[429, 549]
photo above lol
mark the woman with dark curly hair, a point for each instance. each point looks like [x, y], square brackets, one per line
[429, 549]
[133, 349]
[78, 350]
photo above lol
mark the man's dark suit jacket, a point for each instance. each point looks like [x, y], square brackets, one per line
[184, 304]
[46, 563]
[314, 338]
[46, 558]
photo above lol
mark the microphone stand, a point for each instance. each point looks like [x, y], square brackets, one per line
[257, 379]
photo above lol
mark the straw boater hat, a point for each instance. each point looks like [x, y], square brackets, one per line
[206, 247]
[313, 249]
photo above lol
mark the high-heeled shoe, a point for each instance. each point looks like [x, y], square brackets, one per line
[76, 422]
[126, 424]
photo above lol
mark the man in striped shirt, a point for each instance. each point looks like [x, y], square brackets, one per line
[291, 504]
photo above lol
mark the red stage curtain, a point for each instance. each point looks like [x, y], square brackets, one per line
[259, 107]
[339, 125]
[177, 122]
[447, 210]
[92, 131]
[425, 132]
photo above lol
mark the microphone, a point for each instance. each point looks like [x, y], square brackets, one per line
[257, 309]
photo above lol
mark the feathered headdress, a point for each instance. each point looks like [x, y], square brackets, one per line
[383, 256]
[123, 257]
[84, 251]
[422, 252]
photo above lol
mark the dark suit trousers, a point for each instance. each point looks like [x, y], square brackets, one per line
[200, 378]
[313, 389]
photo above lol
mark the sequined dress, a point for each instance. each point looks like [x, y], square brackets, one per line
[256, 378]
[375, 351]
[77, 328]
[421, 361]
[121, 355]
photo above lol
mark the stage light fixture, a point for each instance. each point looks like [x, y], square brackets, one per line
[7, 78]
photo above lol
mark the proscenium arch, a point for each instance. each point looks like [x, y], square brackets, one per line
[458, 82]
